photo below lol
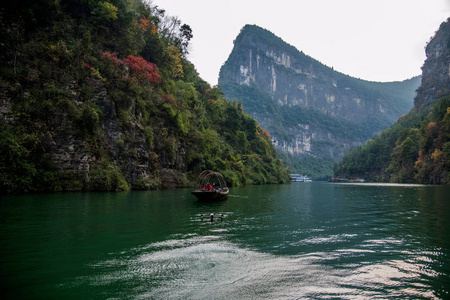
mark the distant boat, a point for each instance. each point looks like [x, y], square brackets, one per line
[357, 180]
[337, 179]
[300, 178]
[212, 186]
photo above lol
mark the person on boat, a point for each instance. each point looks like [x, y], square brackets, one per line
[212, 217]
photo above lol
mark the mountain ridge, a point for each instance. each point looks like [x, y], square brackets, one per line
[279, 84]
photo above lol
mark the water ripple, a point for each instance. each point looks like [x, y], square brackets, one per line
[210, 267]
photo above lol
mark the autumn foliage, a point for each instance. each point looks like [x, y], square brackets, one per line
[144, 25]
[138, 67]
[98, 95]
[415, 150]
[142, 69]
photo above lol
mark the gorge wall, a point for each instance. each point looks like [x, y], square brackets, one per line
[310, 110]
[416, 149]
[97, 96]
[436, 69]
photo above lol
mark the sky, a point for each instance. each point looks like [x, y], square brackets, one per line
[376, 40]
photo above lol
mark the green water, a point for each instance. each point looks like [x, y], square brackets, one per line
[293, 241]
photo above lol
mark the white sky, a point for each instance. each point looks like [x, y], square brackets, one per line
[377, 40]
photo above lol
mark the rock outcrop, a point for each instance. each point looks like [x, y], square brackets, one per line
[436, 69]
[416, 149]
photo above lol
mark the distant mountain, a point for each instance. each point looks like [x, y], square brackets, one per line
[313, 113]
[416, 149]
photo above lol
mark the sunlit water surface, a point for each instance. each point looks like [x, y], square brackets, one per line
[293, 241]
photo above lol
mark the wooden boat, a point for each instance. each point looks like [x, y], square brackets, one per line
[212, 186]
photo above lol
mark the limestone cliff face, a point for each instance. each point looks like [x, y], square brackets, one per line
[291, 78]
[307, 107]
[436, 69]
[416, 148]
[121, 138]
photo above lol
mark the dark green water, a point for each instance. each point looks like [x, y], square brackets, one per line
[293, 241]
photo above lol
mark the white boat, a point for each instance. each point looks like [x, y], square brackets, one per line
[300, 178]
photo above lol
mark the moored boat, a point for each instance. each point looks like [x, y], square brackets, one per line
[299, 178]
[212, 186]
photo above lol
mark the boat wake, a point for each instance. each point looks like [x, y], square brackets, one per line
[205, 267]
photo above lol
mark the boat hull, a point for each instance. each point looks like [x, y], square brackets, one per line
[209, 195]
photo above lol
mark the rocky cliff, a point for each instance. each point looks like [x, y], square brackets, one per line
[416, 149]
[99, 96]
[309, 109]
[436, 69]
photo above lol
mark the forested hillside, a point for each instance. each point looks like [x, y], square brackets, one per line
[99, 95]
[417, 148]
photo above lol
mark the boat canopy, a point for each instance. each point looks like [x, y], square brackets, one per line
[211, 177]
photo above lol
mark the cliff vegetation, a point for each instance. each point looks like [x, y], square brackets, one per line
[99, 95]
[417, 148]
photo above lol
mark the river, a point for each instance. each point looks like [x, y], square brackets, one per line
[293, 241]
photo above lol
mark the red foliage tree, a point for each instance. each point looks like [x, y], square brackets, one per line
[142, 69]
[138, 67]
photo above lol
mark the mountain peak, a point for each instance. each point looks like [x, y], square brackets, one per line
[308, 108]
[436, 69]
